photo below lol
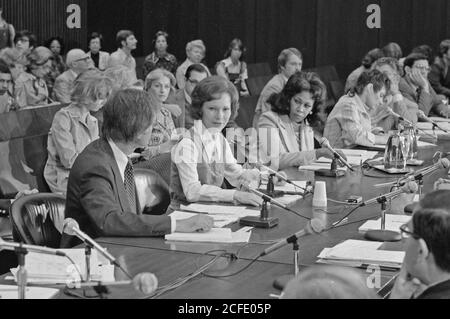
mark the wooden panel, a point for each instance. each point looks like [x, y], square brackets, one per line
[46, 18]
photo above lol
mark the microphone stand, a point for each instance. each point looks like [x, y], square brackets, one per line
[263, 221]
[270, 191]
[281, 282]
[22, 275]
[383, 235]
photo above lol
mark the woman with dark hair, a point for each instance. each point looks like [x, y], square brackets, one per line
[203, 158]
[234, 68]
[100, 58]
[350, 123]
[160, 58]
[285, 134]
[367, 62]
[56, 45]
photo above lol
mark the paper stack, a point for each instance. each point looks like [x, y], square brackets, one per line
[222, 210]
[357, 253]
[215, 235]
[392, 223]
[220, 221]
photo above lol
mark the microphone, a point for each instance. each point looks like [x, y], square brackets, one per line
[315, 226]
[420, 174]
[280, 176]
[71, 227]
[427, 119]
[326, 144]
[30, 248]
[409, 188]
[401, 118]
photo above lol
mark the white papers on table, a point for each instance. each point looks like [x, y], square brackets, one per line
[289, 199]
[215, 235]
[420, 144]
[235, 211]
[220, 221]
[357, 253]
[42, 268]
[11, 292]
[393, 223]
[316, 166]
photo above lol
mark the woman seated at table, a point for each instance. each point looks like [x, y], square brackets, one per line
[202, 160]
[285, 134]
[30, 87]
[349, 124]
[74, 128]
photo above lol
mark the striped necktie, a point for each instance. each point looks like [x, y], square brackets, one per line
[130, 187]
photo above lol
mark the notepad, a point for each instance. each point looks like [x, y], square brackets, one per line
[11, 292]
[316, 166]
[393, 223]
[220, 221]
[237, 211]
[215, 235]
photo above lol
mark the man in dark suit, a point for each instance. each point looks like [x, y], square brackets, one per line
[101, 192]
[426, 269]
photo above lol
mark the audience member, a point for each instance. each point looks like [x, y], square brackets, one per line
[126, 42]
[426, 268]
[415, 87]
[285, 136]
[234, 68]
[99, 58]
[101, 193]
[349, 124]
[122, 77]
[393, 50]
[30, 88]
[77, 62]
[56, 45]
[15, 60]
[73, 128]
[425, 50]
[7, 32]
[367, 62]
[160, 58]
[195, 52]
[25, 41]
[7, 101]
[329, 282]
[290, 61]
[203, 158]
[439, 76]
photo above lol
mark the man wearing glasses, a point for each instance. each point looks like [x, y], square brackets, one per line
[78, 61]
[415, 86]
[426, 268]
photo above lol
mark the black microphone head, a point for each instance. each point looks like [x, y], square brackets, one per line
[69, 225]
[316, 226]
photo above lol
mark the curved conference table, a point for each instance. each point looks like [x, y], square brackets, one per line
[170, 261]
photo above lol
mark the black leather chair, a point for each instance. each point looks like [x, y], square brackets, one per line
[160, 164]
[153, 191]
[37, 219]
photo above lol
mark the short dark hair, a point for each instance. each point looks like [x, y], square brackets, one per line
[412, 58]
[375, 77]
[195, 67]
[4, 68]
[372, 56]
[240, 45]
[431, 222]
[393, 63]
[208, 90]
[159, 34]
[127, 113]
[393, 50]
[286, 54]
[426, 50]
[123, 35]
[298, 83]
[95, 35]
[444, 46]
[25, 33]
[48, 43]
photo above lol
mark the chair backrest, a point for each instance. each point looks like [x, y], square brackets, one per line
[256, 85]
[38, 219]
[140, 68]
[247, 106]
[160, 164]
[258, 69]
[153, 191]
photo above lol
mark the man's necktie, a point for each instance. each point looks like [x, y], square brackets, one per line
[130, 187]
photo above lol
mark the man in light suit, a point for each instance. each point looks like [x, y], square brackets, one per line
[77, 61]
[101, 192]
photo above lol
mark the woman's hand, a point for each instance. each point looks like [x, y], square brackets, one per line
[174, 109]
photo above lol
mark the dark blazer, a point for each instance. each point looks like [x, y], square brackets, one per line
[439, 291]
[96, 199]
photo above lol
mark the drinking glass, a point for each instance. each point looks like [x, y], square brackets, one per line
[405, 145]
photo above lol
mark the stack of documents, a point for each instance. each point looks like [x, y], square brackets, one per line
[222, 210]
[11, 292]
[50, 269]
[317, 166]
[215, 235]
[220, 221]
[358, 253]
[392, 223]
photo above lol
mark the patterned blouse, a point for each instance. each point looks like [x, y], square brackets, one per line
[167, 62]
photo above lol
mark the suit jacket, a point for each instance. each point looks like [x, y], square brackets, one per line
[63, 87]
[439, 291]
[103, 60]
[97, 200]
[429, 103]
[439, 77]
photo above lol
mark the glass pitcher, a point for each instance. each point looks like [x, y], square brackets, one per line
[412, 134]
[393, 157]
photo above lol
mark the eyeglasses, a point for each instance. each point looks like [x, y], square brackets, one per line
[405, 232]
[423, 68]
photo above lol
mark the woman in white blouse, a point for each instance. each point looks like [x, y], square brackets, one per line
[203, 159]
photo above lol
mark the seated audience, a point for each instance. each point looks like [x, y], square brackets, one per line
[121, 77]
[234, 68]
[7, 32]
[426, 268]
[349, 124]
[101, 193]
[195, 52]
[393, 50]
[415, 87]
[439, 76]
[290, 61]
[285, 136]
[203, 159]
[329, 282]
[159, 83]
[56, 45]
[126, 42]
[99, 58]
[15, 60]
[78, 62]
[160, 58]
[7, 101]
[30, 88]
[73, 128]
[425, 50]
[381, 116]
[25, 41]
[183, 98]
[367, 62]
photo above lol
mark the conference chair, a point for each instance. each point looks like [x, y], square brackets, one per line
[258, 69]
[160, 164]
[153, 191]
[38, 219]
[257, 84]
